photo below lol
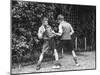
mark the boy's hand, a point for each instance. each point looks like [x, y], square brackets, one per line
[36, 40]
[71, 33]
[56, 34]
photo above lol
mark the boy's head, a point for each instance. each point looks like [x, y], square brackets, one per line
[45, 21]
[60, 18]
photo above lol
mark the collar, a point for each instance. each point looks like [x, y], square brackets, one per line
[62, 22]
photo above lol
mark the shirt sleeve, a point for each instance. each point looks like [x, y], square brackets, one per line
[40, 32]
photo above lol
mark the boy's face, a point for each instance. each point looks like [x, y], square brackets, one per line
[59, 21]
[45, 22]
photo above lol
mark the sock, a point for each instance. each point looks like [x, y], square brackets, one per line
[75, 59]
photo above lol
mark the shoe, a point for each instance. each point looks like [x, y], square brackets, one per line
[54, 66]
[77, 64]
[57, 66]
[38, 67]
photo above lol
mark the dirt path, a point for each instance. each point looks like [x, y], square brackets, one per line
[86, 60]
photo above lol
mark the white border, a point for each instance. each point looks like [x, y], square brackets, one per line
[5, 36]
[85, 2]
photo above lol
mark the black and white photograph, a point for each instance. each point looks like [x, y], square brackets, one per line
[52, 37]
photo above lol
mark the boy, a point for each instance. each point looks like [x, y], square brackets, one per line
[65, 31]
[46, 33]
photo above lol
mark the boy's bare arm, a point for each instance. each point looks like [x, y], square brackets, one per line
[72, 31]
[60, 31]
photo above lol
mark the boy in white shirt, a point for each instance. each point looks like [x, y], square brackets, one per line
[65, 31]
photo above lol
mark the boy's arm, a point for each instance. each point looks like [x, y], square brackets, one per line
[60, 31]
[40, 32]
[72, 31]
[36, 39]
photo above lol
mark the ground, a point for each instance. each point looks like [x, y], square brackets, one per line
[86, 60]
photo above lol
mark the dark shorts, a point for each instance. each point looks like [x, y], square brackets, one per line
[67, 45]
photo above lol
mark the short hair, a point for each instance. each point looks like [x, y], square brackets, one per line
[60, 17]
[44, 19]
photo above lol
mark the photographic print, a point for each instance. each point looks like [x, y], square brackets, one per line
[52, 37]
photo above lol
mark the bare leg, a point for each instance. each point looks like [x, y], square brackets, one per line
[75, 57]
[62, 53]
[40, 58]
[57, 64]
[73, 53]
[56, 54]
[38, 66]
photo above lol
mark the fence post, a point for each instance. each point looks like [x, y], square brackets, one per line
[85, 44]
[76, 43]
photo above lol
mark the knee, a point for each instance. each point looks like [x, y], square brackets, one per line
[42, 53]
